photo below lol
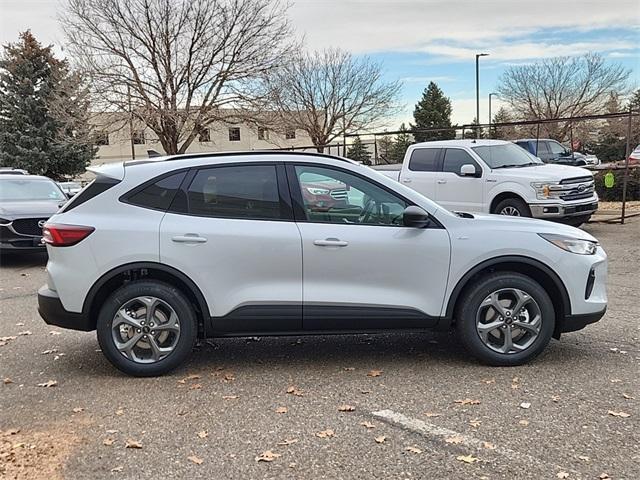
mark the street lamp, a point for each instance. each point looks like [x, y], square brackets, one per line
[478, 55]
[492, 94]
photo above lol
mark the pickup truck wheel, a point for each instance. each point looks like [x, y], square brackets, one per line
[513, 207]
[146, 328]
[505, 319]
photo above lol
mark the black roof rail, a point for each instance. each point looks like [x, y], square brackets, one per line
[189, 156]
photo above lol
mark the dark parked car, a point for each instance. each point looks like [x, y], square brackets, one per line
[26, 202]
[552, 151]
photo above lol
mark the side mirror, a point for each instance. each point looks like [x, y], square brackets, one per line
[415, 217]
[468, 170]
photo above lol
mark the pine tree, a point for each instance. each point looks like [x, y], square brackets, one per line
[359, 152]
[385, 149]
[432, 111]
[43, 112]
[502, 133]
[400, 144]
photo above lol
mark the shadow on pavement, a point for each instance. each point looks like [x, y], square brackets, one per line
[22, 259]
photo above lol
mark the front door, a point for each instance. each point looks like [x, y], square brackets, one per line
[457, 192]
[362, 268]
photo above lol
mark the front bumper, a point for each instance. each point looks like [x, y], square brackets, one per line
[563, 210]
[53, 313]
[11, 240]
[573, 323]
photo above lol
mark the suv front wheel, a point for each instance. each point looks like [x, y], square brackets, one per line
[146, 328]
[505, 319]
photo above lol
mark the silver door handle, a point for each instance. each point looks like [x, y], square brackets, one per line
[406, 180]
[188, 238]
[330, 242]
[441, 182]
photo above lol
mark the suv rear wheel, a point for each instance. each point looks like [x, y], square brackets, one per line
[146, 328]
[505, 319]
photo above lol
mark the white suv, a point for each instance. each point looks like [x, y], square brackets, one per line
[154, 254]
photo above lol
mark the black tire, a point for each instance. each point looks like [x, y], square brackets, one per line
[513, 203]
[166, 293]
[470, 304]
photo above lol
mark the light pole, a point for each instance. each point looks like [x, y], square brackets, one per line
[478, 55]
[492, 94]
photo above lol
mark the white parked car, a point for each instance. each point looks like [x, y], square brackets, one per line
[495, 176]
[154, 254]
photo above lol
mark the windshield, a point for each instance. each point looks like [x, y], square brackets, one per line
[506, 155]
[29, 189]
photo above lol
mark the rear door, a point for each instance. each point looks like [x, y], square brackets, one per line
[231, 230]
[455, 191]
[420, 172]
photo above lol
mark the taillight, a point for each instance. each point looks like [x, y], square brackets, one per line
[58, 235]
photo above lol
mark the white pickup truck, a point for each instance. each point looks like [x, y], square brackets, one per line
[495, 176]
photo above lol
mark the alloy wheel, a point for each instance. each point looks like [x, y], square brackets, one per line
[511, 211]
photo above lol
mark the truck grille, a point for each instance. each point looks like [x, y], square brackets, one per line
[28, 226]
[339, 194]
[577, 188]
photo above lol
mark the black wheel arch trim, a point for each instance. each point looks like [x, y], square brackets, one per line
[455, 294]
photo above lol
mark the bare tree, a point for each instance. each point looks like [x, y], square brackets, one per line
[330, 93]
[561, 87]
[178, 65]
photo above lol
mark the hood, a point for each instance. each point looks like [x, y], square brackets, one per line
[545, 172]
[523, 224]
[42, 208]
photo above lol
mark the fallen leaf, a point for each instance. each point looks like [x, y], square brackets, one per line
[613, 380]
[489, 381]
[475, 423]
[454, 440]
[12, 431]
[47, 352]
[25, 332]
[325, 433]
[282, 410]
[193, 376]
[268, 456]
[604, 476]
[116, 469]
[524, 422]
[349, 369]
[7, 381]
[364, 392]
[467, 401]
[619, 414]
[367, 424]
[111, 432]
[228, 377]
[78, 410]
[229, 397]
[195, 386]
[203, 434]
[120, 412]
[292, 390]
[196, 460]
[7, 339]
[374, 373]
[132, 444]
[488, 445]
[584, 458]
[108, 441]
[346, 408]
[562, 475]
[555, 398]
[413, 449]
[50, 383]
[380, 439]
[627, 396]
[55, 332]
[431, 414]
[525, 405]
[182, 381]
[288, 441]
[467, 458]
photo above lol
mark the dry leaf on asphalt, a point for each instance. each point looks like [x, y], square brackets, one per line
[78, 410]
[203, 434]
[108, 442]
[267, 456]
[282, 410]
[467, 401]
[346, 408]
[133, 444]
[413, 449]
[367, 424]
[431, 414]
[380, 439]
[116, 469]
[604, 476]
[325, 433]
[120, 412]
[525, 405]
[193, 376]
[454, 440]
[50, 383]
[475, 423]
[489, 381]
[55, 332]
[349, 369]
[467, 458]
[26, 332]
[195, 386]
[292, 390]
[584, 458]
[228, 377]
[524, 422]
[627, 396]
[288, 441]
[488, 445]
[47, 352]
[229, 397]
[196, 460]
[374, 373]
[613, 380]
[619, 414]
[7, 381]
[562, 475]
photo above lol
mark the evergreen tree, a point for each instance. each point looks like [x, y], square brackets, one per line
[400, 145]
[43, 112]
[432, 111]
[359, 152]
[385, 149]
[612, 145]
[502, 133]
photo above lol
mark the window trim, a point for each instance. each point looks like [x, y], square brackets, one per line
[475, 162]
[438, 163]
[299, 211]
[126, 197]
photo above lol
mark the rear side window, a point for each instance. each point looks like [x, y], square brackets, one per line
[95, 188]
[454, 158]
[424, 160]
[526, 146]
[242, 191]
[158, 195]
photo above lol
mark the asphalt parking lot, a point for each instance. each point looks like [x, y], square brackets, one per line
[402, 406]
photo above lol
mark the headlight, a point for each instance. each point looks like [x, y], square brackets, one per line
[570, 244]
[318, 191]
[546, 190]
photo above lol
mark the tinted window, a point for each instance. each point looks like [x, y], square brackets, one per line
[158, 195]
[246, 191]
[543, 151]
[336, 196]
[454, 158]
[556, 148]
[424, 160]
[504, 155]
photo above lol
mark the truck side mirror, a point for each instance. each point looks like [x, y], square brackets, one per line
[415, 217]
[468, 170]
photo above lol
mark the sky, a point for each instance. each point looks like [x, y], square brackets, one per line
[417, 41]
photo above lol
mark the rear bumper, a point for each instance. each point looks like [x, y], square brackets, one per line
[558, 210]
[572, 323]
[53, 313]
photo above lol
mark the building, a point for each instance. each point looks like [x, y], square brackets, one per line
[114, 138]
